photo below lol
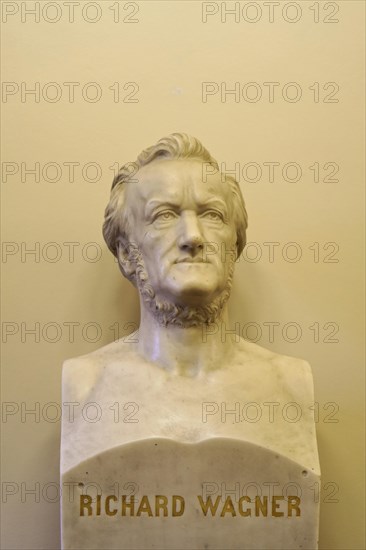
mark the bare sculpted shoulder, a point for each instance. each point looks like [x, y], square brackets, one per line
[81, 374]
[291, 374]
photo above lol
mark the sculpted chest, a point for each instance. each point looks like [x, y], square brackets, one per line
[131, 400]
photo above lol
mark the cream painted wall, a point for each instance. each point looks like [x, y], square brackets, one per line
[167, 53]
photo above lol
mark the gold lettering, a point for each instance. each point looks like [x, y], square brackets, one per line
[108, 510]
[241, 511]
[275, 507]
[228, 507]
[161, 503]
[85, 502]
[208, 505]
[99, 498]
[178, 506]
[176, 512]
[261, 507]
[144, 507]
[293, 504]
[129, 505]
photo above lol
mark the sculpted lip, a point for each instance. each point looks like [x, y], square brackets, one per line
[197, 260]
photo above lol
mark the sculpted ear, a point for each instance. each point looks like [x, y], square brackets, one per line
[125, 258]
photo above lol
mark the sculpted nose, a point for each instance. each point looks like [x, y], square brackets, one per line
[190, 236]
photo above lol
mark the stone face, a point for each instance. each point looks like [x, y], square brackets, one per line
[212, 436]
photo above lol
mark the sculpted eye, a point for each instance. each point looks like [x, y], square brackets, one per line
[213, 215]
[165, 216]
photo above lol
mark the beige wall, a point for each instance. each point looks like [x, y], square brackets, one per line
[167, 53]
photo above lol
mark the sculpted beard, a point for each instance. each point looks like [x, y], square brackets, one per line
[167, 313]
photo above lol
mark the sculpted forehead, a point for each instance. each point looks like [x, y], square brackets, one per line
[177, 180]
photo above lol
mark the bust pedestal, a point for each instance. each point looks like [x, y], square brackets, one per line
[220, 493]
[155, 460]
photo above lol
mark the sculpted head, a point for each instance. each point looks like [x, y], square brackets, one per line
[176, 227]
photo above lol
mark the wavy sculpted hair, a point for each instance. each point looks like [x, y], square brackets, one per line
[175, 146]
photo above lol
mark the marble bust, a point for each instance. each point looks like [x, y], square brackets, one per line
[177, 226]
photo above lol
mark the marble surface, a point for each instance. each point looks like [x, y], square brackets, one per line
[184, 401]
[271, 396]
[146, 431]
[216, 494]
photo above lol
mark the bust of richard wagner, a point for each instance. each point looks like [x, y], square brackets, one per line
[168, 226]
